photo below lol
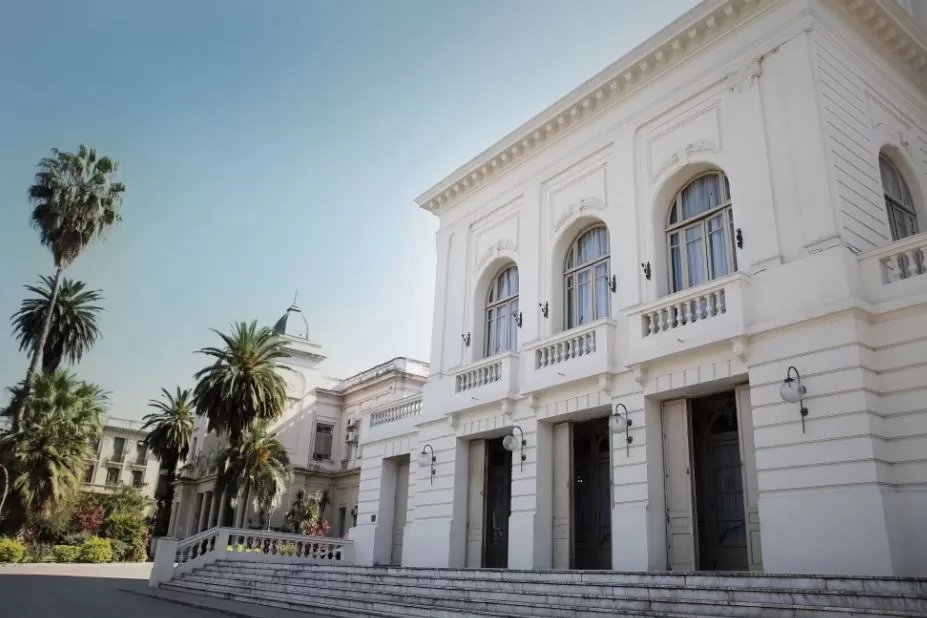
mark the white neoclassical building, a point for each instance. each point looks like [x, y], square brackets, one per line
[320, 429]
[694, 291]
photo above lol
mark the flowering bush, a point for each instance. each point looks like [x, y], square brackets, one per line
[11, 550]
[88, 518]
[318, 528]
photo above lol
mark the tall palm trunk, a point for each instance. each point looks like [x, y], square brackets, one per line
[19, 406]
[244, 505]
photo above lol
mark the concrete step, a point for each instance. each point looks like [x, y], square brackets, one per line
[517, 604]
[502, 591]
[341, 607]
[894, 585]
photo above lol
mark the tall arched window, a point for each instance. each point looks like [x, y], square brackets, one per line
[898, 203]
[502, 312]
[585, 274]
[700, 232]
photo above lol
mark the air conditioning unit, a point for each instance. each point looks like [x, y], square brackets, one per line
[351, 436]
[351, 423]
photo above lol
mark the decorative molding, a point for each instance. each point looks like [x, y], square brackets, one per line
[887, 135]
[745, 76]
[605, 384]
[692, 32]
[888, 21]
[574, 210]
[681, 156]
[740, 347]
[639, 374]
[493, 251]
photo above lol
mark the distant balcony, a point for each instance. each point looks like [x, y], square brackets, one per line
[706, 314]
[141, 462]
[894, 271]
[116, 457]
[392, 419]
[571, 355]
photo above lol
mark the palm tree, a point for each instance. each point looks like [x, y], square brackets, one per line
[75, 201]
[255, 469]
[52, 445]
[169, 433]
[73, 326]
[243, 385]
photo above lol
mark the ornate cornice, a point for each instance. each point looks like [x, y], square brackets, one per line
[690, 33]
[890, 23]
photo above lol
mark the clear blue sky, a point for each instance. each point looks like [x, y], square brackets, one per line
[272, 146]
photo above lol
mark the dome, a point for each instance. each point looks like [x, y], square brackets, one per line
[293, 325]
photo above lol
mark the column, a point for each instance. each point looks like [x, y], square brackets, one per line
[213, 508]
[204, 511]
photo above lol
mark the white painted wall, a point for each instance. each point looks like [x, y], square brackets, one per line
[793, 100]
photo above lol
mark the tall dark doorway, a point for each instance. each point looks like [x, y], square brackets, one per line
[592, 513]
[719, 490]
[498, 504]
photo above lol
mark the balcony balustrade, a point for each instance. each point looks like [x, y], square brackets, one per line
[485, 381]
[709, 313]
[894, 271]
[578, 353]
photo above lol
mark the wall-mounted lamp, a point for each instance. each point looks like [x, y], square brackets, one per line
[612, 283]
[427, 458]
[739, 235]
[517, 318]
[645, 266]
[619, 422]
[544, 308]
[466, 339]
[510, 443]
[793, 391]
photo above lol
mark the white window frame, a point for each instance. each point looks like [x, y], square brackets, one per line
[507, 306]
[572, 272]
[700, 221]
[897, 206]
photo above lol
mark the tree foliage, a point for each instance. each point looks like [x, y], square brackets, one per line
[169, 432]
[256, 469]
[52, 444]
[73, 325]
[243, 384]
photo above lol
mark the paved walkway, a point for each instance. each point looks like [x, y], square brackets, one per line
[107, 591]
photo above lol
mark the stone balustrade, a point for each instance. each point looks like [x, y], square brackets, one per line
[480, 374]
[908, 261]
[895, 271]
[173, 558]
[567, 346]
[402, 409]
[681, 312]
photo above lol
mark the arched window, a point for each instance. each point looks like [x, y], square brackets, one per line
[502, 312]
[898, 203]
[585, 274]
[700, 232]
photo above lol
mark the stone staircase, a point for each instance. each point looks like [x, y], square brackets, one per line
[379, 592]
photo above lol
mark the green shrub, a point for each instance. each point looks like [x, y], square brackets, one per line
[39, 552]
[11, 550]
[124, 526]
[66, 553]
[121, 550]
[96, 550]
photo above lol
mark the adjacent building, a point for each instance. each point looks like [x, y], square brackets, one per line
[320, 429]
[121, 458]
[681, 315]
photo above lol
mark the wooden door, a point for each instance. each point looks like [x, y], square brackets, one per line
[563, 481]
[592, 516]
[476, 481]
[498, 505]
[677, 468]
[750, 482]
[400, 508]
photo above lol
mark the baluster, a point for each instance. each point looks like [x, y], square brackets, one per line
[911, 263]
[712, 302]
[892, 272]
[923, 252]
[664, 325]
[592, 342]
[722, 298]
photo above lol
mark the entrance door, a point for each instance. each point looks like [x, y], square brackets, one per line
[722, 538]
[400, 507]
[592, 513]
[677, 465]
[498, 505]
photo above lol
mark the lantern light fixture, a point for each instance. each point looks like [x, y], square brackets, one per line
[793, 391]
[510, 443]
[622, 421]
[427, 458]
